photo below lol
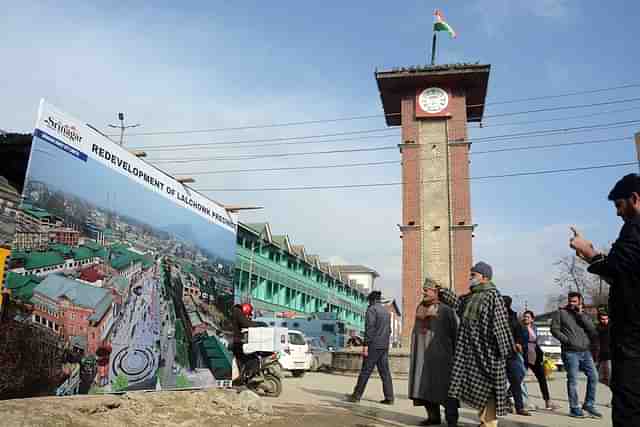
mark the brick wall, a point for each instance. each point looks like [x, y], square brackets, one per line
[460, 192]
[431, 240]
[411, 208]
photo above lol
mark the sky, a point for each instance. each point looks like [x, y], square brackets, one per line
[221, 64]
[126, 196]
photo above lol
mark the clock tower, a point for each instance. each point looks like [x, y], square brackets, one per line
[432, 105]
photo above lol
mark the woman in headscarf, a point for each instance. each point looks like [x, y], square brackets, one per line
[432, 350]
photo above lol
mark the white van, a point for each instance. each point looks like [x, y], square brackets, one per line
[296, 357]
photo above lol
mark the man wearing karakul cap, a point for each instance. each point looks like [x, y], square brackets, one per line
[484, 344]
[433, 342]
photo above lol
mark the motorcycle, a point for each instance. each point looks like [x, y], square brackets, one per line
[261, 373]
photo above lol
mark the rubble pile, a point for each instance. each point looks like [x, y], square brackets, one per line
[179, 408]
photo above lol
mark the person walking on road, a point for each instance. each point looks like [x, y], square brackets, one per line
[516, 370]
[621, 269]
[575, 331]
[534, 357]
[483, 346]
[376, 350]
[432, 348]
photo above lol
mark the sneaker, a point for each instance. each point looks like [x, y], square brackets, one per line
[592, 412]
[576, 413]
[387, 402]
[523, 412]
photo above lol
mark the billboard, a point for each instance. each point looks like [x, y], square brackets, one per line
[120, 277]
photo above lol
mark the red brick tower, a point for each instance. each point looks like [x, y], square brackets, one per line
[433, 105]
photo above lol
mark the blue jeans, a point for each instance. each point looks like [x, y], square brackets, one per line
[516, 371]
[575, 361]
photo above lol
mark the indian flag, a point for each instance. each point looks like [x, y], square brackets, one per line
[439, 24]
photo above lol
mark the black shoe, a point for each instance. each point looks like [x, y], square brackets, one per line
[430, 422]
[352, 398]
[387, 402]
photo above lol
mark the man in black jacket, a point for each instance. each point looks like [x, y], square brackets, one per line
[375, 352]
[621, 269]
[604, 353]
[240, 319]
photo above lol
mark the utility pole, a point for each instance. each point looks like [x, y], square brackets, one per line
[638, 148]
[122, 127]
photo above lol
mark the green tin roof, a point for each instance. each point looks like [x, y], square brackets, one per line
[121, 262]
[36, 212]
[63, 249]
[22, 286]
[35, 260]
[82, 253]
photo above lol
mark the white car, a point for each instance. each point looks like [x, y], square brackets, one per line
[296, 357]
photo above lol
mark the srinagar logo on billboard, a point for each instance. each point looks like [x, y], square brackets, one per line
[68, 131]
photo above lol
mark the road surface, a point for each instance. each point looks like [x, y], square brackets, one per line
[327, 390]
[134, 351]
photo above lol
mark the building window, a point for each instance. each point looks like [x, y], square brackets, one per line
[72, 316]
[37, 318]
[327, 327]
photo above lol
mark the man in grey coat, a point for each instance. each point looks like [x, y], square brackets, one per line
[376, 350]
[575, 331]
[432, 349]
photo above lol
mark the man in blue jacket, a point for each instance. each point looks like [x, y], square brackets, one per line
[376, 350]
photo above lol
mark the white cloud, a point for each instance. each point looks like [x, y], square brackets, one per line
[495, 14]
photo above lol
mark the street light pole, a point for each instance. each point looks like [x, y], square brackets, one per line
[122, 127]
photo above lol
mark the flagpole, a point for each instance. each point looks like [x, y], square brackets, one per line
[433, 49]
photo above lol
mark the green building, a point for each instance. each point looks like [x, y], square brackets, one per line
[278, 276]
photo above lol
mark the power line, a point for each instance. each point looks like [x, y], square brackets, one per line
[369, 116]
[287, 138]
[564, 107]
[388, 184]
[360, 138]
[566, 144]
[395, 162]
[560, 95]
[282, 141]
[272, 155]
[333, 166]
[497, 138]
[556, 119]
[551, 132]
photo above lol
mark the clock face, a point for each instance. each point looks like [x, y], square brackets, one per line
[433, 100]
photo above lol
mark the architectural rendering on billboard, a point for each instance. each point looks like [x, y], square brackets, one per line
[120, 277]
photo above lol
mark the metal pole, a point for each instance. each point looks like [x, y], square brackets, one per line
[121, 129]
[638, 148]
[433, 49]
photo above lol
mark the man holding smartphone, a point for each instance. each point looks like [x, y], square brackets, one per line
[575, 331]
[621, 269]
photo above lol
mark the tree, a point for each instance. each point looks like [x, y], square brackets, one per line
[554, 301]
[572, 275]
[121, 383]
